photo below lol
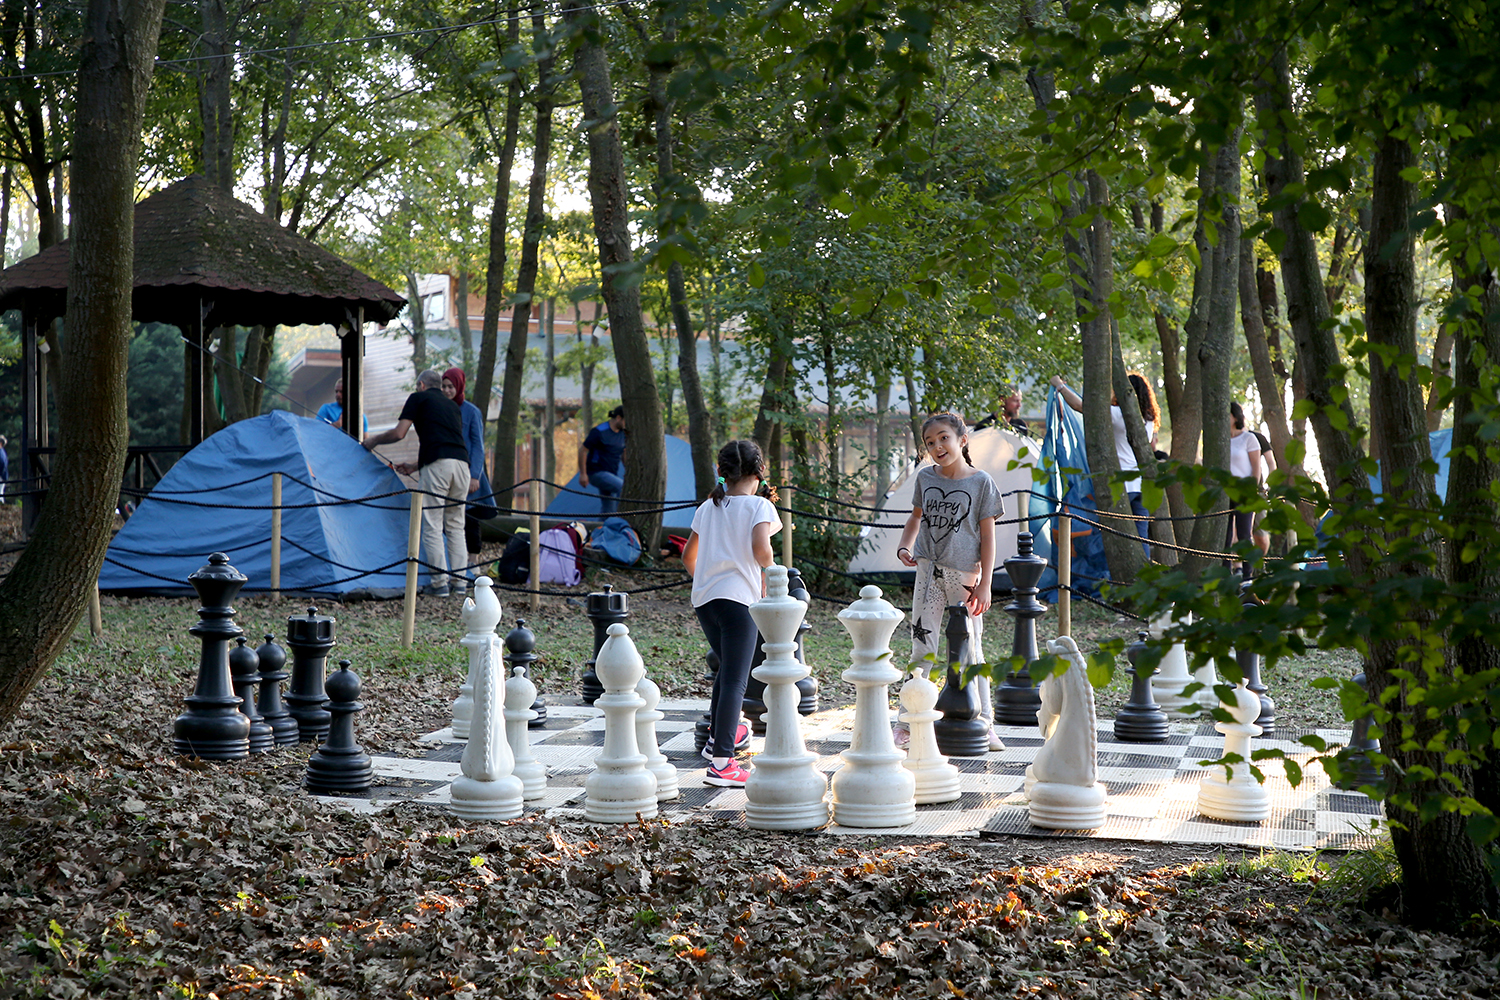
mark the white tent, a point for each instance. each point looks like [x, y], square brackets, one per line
[992, 450]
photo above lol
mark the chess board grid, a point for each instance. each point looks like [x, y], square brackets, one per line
[1153, 787]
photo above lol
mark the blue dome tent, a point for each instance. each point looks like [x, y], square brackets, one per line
[217, 498]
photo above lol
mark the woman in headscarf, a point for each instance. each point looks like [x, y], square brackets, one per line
[481, 497]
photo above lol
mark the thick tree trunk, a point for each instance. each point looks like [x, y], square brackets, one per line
[882, 434]
[1215, 348]
[417, 313]
[646, 472]
[507, 425]
[494, 272]
[215, 108]
[43, 597]
[465, 333]
[770, 398]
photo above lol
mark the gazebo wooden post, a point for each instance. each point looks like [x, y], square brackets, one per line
[351, 367]
[195, 333]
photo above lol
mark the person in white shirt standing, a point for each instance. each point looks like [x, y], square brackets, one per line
[726, 551]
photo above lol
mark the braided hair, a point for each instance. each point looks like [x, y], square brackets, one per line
[739, 459]
[956, 424]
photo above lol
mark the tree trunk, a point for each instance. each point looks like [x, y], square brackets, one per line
[1214, 350]
[882, 434]
[1170, 339]
[586, 375]
[465, 334]
[549, 414]
[508, 424]
[494, 272]
[646, 472]
[770, 401]
[1271, 389]
[44, 595]
[215, 107]
[418, 315]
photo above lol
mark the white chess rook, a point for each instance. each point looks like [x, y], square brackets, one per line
[487, 789]
[1172, 674]
[481, 613]
[1063, 786]
[786, 791]
[937, 780]
[646, 718]
[620, 789]
[520, 693]
[872, 789]
[1231, 791]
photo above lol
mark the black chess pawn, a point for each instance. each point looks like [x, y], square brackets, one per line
[1249, 662]
[244, 673]
[341, 764]
[272, 672]
[519, 645]
[1358, 768]
[604, 609]
[310, 639]
[960, 732]
[213, 727]
[807, 687]
[1016, 699]
[754, 702]
[1140, 719]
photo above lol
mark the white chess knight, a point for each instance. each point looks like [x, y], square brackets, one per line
[786, 791]
[1062, 783]
[620, 789]
[487, 789]
[1230, 791]
[872, 789]
[1172, 674]
[481, 613]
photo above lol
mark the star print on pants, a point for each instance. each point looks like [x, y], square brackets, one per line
[918, 632]
[937, 572]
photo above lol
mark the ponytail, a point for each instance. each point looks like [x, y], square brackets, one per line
[738, 459]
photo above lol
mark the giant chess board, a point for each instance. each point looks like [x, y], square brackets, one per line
[1153, 787]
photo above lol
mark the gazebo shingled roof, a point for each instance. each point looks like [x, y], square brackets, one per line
[202, 260]
[195, 242]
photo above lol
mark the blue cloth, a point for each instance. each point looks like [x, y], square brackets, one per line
[332, 413]
[474, 441]
[1067, 467]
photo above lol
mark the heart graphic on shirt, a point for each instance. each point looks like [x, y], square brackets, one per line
[944, 511]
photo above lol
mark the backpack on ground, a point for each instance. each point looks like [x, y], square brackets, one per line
[561, 561]
[514, 565]
[617, 540]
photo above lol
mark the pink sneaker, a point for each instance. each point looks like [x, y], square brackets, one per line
[732, 775]
[902, 735]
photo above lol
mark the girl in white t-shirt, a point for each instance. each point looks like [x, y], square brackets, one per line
[1126, 454]
[728, 547]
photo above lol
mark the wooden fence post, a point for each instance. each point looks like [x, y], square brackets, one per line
[276, 533]
[536, 544]
[1064, 549]
[413, 549]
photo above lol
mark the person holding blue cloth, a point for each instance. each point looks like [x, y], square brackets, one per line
[601, 460]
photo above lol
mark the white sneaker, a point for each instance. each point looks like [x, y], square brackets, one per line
[995, 743]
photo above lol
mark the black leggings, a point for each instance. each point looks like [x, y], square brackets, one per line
[732, 636]
[1239, 529]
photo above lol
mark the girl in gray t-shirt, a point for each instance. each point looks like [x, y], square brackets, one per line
[950, 540]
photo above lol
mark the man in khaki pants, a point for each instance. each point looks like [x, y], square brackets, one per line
[443, 475]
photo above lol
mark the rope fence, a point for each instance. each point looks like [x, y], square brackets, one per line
[420, 501]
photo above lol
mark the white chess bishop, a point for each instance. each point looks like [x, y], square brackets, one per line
[1231, 791]
[480, 614]
[1062, 783]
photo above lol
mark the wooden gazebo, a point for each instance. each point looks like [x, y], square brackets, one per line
[202, 260]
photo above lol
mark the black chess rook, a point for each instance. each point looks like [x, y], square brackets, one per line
[310, 639]
[605, 608]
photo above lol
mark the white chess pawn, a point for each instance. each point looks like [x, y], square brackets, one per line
[620, 789]
[1231, 791]
[481, 613]
[520, 693]
[1172, 673]
[937, 780]
[786, 791]
[487, 789]
[646, 718]
[1066, 793]
[872, 789]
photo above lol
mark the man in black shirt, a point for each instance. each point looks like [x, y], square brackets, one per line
[442, 474]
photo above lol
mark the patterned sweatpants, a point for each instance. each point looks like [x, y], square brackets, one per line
[937, 588]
